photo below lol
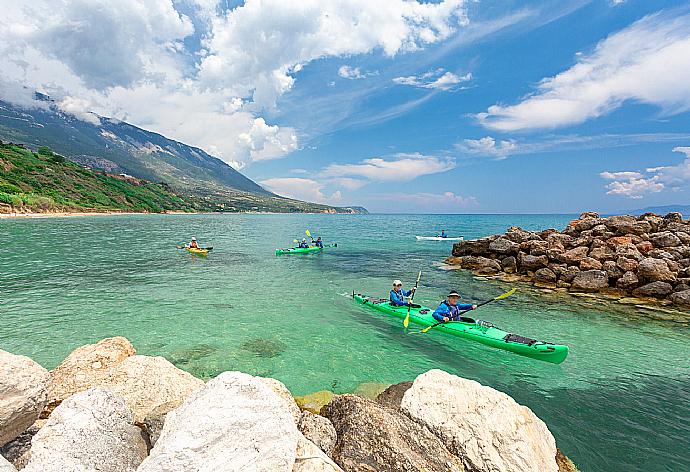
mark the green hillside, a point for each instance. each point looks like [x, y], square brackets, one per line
[45, 182]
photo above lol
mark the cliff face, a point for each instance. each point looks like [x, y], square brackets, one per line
[646, 256]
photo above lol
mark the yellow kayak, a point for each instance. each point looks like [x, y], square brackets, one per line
[198, 252]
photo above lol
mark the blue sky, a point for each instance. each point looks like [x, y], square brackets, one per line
[453, 106]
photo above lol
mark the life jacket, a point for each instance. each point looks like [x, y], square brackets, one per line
[453, 311]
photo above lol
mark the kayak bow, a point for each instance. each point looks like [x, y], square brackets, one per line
[475, 330]
[437, 238]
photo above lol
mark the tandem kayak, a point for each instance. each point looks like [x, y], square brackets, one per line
[437, 238]
[303, 250]
[198, 252]
[475, 330]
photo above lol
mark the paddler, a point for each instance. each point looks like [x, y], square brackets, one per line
[449, 309]
[398, 295]
[318, 242]
[193, 244]
[443, 233]
[303, 243]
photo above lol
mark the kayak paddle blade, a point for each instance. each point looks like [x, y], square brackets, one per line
[307, 232]
[506, 295]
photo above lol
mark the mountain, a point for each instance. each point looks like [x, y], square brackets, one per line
[121, 148]
[660, 210]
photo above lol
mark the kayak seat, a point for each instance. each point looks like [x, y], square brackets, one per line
[516, 338]
[424, 311]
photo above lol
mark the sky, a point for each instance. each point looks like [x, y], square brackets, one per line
[453, 106]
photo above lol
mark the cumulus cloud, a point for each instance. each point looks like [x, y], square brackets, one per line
[352, 73]
[207, 78]
[647, 62]
[402, 168]
[445, 201]
[302, 189]
[438, 79]
[488, 146]
[635, 184]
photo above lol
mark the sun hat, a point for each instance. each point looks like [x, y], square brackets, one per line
[193, 239]
[397, 282]
[453, 293]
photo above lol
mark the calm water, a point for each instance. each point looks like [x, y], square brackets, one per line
[620, 402]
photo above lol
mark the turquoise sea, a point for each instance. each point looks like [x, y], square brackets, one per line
[620, 402]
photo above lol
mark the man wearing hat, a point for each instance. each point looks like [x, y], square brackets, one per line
[398, 294]
[193, 244]
[449, 309]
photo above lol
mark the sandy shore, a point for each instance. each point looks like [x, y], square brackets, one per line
[69, 214]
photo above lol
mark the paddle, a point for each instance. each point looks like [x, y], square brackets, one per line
[406, 322]
[500, 297]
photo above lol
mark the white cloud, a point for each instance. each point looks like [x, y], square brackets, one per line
[438, 79]
[302, 189]
[488, 146]
[352, 73]
[78, 108]
[135, 60]
[403, 168]
[647, 62]
[348, 183]
[446, 201]
[652, 180]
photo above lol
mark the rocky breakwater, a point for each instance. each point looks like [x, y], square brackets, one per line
[106, 409]
[644, 257]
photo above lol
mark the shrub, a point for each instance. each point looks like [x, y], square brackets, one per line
[45, 151]
[6, 187]
[14, 200]
[57, 158]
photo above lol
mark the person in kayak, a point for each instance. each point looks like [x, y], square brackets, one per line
[193, 244]
[398, 295]
[443, 233]
[449, 309]
[318, 242]
[303, 243]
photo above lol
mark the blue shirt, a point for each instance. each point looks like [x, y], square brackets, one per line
[398, 297]
[318, 243]
[449, 311]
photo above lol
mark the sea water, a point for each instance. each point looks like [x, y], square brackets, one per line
[620, 402]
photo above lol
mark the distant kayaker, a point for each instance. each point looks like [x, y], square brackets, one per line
[449, 309]
[193, 244]
[443, 233]
[318, 242]
[303, 243]
[398, 295]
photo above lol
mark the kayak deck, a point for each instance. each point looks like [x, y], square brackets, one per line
[198, 252]
[303, 250]
[438, 238]
[480, 331]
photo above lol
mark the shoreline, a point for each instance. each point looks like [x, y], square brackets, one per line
[70, 214]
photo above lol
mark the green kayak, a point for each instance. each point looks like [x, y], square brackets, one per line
[303, 250]
[476, 330]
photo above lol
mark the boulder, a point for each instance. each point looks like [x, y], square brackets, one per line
[6, 466]
[155, 420]
[503, 245]
[590, 281]
[282, 391]
[656, 289]
[602, 252]
[612, 270]
[519, 235]
[674, 216]
[309, 458]
[625, 224]
[545, 275]
[564, 463]
[628, 281]
[509, 264]
[473, 246]
[89, 431]
[665, 239]
[486, 266]
[681, 298]
[23, 394]
[630, 251]
[146, 383]
[684, 237]
[314, 401]
[570, 274]
[644, 247]
[588, 214]
[236, 422]
[626, 264]
[588, 263]
[487, 428]
[393, 395]
[619, 240]
[681, 287]
[529, 262]
[574, 256]
[17, 450]
[599, 230]
[378, 439]
[653, 270]
[318, 430]
[537, 248]
[558, 240]
[85, 367]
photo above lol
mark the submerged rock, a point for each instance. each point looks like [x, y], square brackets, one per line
[314, 401]
[90, 431]
[393, 395]
[370, 390]
[85, 367]
[236, 422]
[377, 439]
[23, 394]
[485, 427]
[264, 347]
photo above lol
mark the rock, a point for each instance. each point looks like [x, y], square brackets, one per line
[314, 401]
[588, 214]
[373, 438]
[588, 263]
[473, 246]
[155, 420]
[85, 367]
[279, 388]
[23, 394]
[6, 466]
[487, 428]
[619, 240]
[537, 248]
[644, 247]
[503, 245]
[656, 289]
[564, 464]
[318, 430]
[681, 287]
[653, 270]
[684, 237]
[146, 383]
[370, 390]
[590, 281]
[599, 230]
[558, 241]
[570, 274]
[481, 265]
[629, 251]
[309, 458]
[681, 298]
[574, 256]
[509, 264]
[236, 422]
[674, 216]
[628, 281]
[89, 431]
[626, 264]
[545, 275]
[393, 395]
[665, 239]
[602, 252]
[625, 224]
[612, 270]
[17, 450]
[529, 262]
[519, 235]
